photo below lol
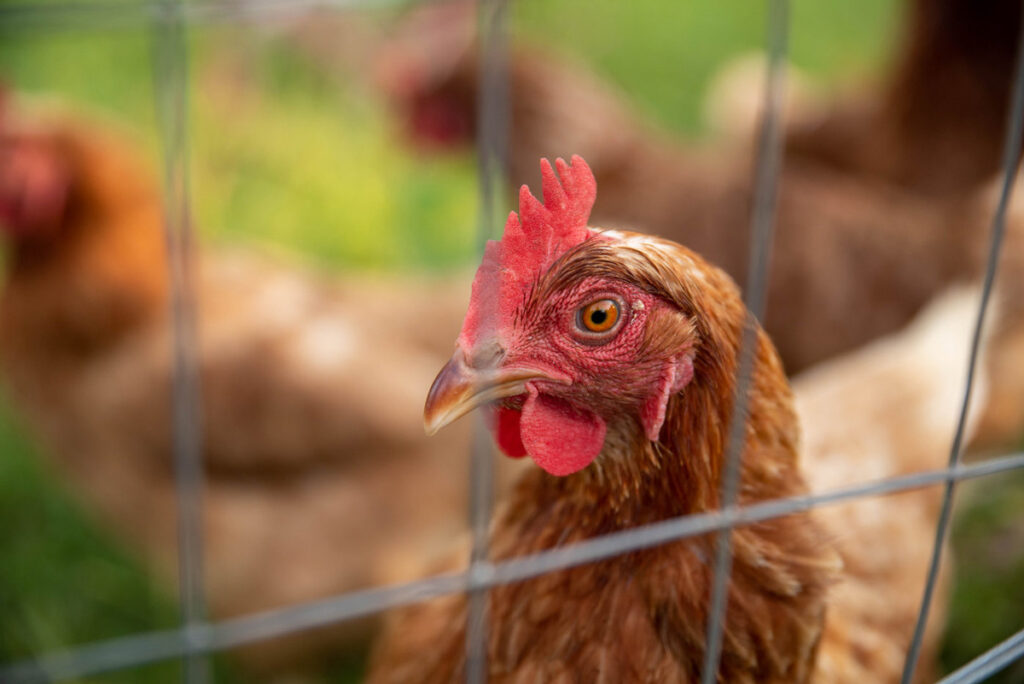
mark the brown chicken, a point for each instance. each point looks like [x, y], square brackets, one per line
[312, 450]
[609, 359]
[937, 123]
[861, 245]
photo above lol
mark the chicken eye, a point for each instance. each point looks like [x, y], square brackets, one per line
[598, 317]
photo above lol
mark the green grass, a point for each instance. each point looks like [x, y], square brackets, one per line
[988, 599]
[282, 155]
[287, 156]
[663, 53]
[63, 580]
[308, 166]
[285, 159]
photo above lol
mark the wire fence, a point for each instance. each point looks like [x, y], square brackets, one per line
[123, 14]
[170, 72]
[1011, 157]
[769, 160]
[492, 143]
[197, 636]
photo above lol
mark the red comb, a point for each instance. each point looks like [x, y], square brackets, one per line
[533, 240]
[545, 231]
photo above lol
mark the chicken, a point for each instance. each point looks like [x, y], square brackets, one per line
[937, 123]
[610, 358]
[857, 252]
[311, 450]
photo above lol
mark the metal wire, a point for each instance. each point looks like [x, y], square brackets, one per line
[170, 73]
[155, 646]
[769, 159]
[990, 662]
[128, 14]
[492, 144]
[481, 504]
[1011, 159]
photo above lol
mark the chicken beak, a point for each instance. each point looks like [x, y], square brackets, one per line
[459, 388]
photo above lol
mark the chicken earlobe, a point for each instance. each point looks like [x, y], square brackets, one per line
[676, 375]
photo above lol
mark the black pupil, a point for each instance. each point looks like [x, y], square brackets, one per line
[598, 316]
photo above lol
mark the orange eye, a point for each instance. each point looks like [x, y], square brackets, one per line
[600, 316]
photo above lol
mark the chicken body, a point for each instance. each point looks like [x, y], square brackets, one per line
[886, 410]
[936, 124]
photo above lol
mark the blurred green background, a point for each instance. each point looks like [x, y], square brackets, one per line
[288, 154]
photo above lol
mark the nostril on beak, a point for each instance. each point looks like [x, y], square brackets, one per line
[486, 355]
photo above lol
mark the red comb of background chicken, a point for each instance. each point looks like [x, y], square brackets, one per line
[533, 240]
[33, 188]
[34, 179]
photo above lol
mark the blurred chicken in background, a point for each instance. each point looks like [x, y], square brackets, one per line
[936, 123]
[853, 432]
[319, 476]
[883, 200]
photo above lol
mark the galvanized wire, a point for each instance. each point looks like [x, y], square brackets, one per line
[769, 160]
[1011, 161]
[481, 498]
[990, 662]
[129, 14]
[170, 75]
[155, 646]
[492, 153]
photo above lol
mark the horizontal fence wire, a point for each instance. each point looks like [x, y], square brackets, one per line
[126, 14]
[151, 647]
[1010, 165]
[762, 228]
[990, 662]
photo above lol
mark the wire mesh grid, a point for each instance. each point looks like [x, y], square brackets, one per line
[197, 636]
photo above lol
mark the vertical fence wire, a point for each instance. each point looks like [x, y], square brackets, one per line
[769, 160]
[170, 74]
[1010, 165]
[492, 144]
